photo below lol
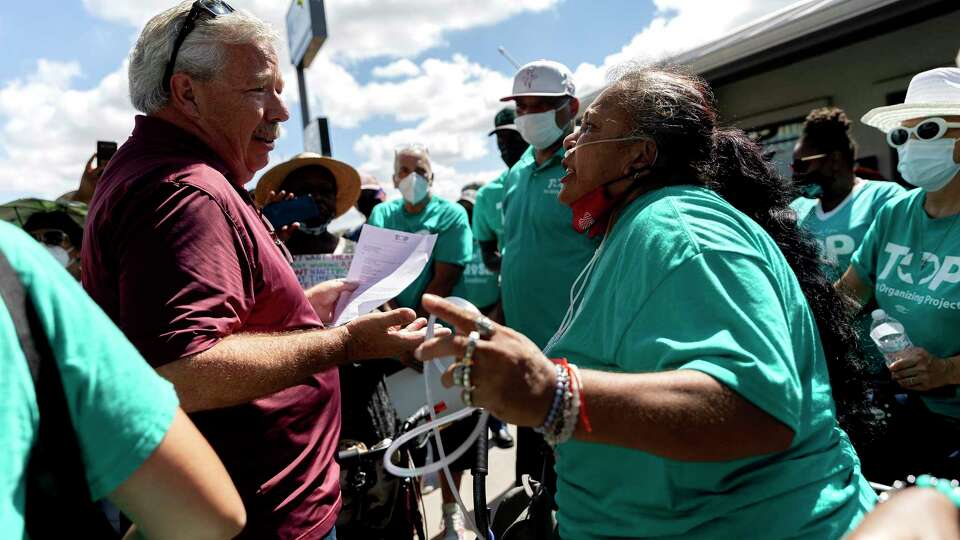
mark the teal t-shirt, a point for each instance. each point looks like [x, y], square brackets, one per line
[685, 281]
[441, 217]
[478, 284]
[839, 233]
[912, 263]
[120, 408]
[542, 254]
[488, 211]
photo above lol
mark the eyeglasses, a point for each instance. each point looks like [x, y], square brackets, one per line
[213, 8]
[928, 130]
[800, 165]
[50, 237]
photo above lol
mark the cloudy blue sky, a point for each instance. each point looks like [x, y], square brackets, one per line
[393, 71]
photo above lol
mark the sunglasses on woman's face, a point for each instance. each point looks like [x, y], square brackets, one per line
[802, 165]
[50, 237]
[929, 130]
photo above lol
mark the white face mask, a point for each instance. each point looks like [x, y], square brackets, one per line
[414, 187]
[540, 130]
[928, 165]
[59, 253]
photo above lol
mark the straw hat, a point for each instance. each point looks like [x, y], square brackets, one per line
[931, 93]
[348, 179]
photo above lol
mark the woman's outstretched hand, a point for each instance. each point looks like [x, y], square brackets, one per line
[511, 377]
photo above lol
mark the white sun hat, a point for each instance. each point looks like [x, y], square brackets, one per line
[931, 93]
[542, 78]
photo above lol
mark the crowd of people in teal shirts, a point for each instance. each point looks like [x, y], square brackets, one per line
[681, 334]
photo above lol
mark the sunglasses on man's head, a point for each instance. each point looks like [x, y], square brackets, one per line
[930, 129]
[210, 8]
[802, 165]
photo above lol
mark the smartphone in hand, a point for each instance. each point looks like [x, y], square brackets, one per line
[105, 151]
[290, 211]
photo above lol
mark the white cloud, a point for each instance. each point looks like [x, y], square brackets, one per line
[50, 127]
[359, 29]
[395, 70]
[677, 26]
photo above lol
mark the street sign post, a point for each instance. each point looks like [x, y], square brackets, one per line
[306, 32]
[316, 137]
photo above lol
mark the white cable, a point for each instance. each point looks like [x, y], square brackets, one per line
[575, 293]
[444, 461]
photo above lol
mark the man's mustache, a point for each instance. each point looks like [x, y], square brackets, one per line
[268, 131]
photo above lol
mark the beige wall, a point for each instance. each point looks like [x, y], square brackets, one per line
[857, 78]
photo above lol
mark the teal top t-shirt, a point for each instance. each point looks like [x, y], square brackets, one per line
[542, 254]
[441, 217]
[685, 281]
[912, 262]
[478, 284]
[839, 233]
[488, 211]
[120, 408]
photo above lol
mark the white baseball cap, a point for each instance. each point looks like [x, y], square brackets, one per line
[931, 93]
[542, 78]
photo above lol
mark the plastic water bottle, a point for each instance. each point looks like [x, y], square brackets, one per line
[888, 334]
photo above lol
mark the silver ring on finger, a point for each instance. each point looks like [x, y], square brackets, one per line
[484, 326]
[472, 340]
[460, 373]
[911, 380]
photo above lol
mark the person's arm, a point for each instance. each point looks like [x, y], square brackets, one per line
[913, 514]
[182, 491]
[244, 367]
[683, 415]
[491, 255]
[445, 277]
[916, 369]
[680, 414]
[853, 288]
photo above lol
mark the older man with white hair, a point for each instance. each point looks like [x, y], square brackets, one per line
[181, 259]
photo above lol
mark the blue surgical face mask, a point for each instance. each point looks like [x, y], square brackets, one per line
[928, 165]
[414, 187]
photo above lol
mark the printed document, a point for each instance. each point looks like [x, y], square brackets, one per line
[385, 263]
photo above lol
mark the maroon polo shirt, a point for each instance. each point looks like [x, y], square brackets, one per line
[179, 258]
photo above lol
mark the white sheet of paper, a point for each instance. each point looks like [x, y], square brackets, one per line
[384, 264]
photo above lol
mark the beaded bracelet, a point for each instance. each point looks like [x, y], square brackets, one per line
[567, 406]
[950, 488]
[555, 415]
[572, 409]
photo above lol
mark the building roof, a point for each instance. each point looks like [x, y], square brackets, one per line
[801, 30]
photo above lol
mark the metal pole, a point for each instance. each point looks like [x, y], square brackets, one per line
[304, 105]
[503, 50]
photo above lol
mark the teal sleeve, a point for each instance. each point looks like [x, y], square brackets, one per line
[720, 313]
[121, 409]
[864, 260]
[455, 242]
[376, 217]
[483, 213]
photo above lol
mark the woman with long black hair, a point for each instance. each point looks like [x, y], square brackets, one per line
[690, 391]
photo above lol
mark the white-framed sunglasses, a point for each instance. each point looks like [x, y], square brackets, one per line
[929, 130]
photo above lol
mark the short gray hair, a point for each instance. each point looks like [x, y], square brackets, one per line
[201, 56]
[412, 149]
